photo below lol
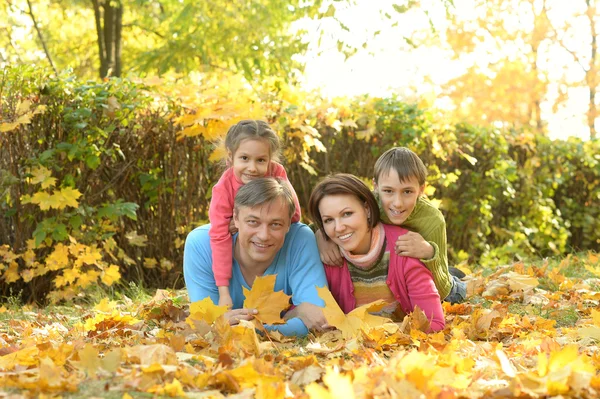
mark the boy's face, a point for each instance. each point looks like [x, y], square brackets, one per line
[398, 199]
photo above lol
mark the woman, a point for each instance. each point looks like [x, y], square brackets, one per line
[344, 208]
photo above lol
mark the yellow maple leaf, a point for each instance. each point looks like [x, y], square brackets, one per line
[594, 270]
[66, 197]
[269, 304]
[110, 275]
[206, 310]
[88, 256]
[135, 239]
[88, 358]
[44, 176]
[111, 360]
[105, 305]
[350, 324]
[50, 374]
[338, 386]
[24, 357]
[59, 258]
[44, 200]
[7, 126]
[172, 389]
[12, 273]
[596, 317]
[87, 278]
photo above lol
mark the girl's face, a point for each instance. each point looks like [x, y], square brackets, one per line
[251, 159]
[344, 219]
[398, 199]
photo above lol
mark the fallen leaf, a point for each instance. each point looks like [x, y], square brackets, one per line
[269, 304]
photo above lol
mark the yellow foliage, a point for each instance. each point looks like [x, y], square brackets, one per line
[206, 310]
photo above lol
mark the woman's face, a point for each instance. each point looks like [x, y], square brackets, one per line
[345, 222]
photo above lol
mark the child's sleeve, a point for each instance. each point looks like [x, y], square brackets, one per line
[279, 171]
[423, 293]
[436, 237]
[220, 213]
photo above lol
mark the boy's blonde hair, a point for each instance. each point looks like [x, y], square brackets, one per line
[405, 162]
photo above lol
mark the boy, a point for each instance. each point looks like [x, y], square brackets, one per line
[400, 177]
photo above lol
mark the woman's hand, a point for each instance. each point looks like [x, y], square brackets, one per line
[311, 315]
[234, 316]
[414, 245]
[328, 251]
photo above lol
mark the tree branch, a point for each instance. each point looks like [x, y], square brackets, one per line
[561, 41]
[37, 28]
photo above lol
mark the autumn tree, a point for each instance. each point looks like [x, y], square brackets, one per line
[252, 37]
[501, 47]
[577, 35]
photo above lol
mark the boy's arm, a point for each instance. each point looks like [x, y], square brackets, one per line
[305, 275]
[437, 239]
[220, 213]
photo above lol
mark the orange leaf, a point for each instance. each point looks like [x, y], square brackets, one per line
[269, 304]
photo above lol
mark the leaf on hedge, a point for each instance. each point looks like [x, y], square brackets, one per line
[262, 297]
[135, 239]
[110, 275]
[67, 197]
[44, 200]
[44, 176]
[7, 127]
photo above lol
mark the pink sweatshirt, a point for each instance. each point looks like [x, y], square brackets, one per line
[220, 214]
[409, 280]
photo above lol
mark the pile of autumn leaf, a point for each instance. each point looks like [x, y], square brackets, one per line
[164, 347]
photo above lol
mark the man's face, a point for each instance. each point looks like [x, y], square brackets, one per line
[261, 232]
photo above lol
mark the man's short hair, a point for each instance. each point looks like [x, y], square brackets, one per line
[263, 191]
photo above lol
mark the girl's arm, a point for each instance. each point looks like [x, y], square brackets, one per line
[422, 293]
[220, 213]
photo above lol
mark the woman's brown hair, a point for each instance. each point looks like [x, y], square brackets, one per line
[342, 184]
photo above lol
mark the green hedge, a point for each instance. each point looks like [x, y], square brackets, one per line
[505, 194]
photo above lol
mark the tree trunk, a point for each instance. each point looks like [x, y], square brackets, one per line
[109, 24]
[592, 71]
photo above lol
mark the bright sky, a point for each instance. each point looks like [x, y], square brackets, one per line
[388, 64]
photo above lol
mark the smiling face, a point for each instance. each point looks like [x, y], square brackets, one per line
[261, 232]
[398, 199]
[344, 220]
[251, 159]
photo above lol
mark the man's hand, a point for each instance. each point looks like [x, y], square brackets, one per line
[414, 245]
[234, 316]
[311, 315]
[328, 250]
[232, 228]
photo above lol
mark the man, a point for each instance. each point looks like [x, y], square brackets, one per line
[266, 243]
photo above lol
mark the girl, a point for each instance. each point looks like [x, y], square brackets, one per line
[346, 211]
[252, 150]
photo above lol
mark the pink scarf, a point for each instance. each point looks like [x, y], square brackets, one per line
[366, 260]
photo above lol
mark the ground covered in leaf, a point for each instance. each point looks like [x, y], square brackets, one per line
[528, 330]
